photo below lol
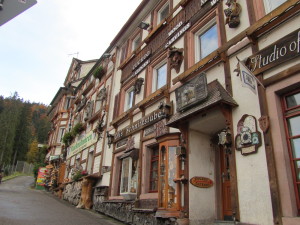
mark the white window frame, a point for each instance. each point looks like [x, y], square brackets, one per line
[155, 74]
[129, 175]
[199, 33]
[270, 5]
[159, 12]
[128, 103]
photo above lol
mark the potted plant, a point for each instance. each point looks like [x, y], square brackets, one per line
[99, 72]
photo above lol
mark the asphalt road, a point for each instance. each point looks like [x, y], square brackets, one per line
[21, 205]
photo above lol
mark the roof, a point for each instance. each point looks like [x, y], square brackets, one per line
[216, 95]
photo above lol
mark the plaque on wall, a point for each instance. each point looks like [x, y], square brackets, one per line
[248, 138]
[191, 93]
[201, 182]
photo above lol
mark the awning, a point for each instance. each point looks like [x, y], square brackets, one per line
[216, 95]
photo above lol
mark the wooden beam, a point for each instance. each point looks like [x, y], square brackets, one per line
[282, 75]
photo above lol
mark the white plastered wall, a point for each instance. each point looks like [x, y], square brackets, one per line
[201, 163]
[252, 172]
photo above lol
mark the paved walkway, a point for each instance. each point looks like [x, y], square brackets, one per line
[21, 205]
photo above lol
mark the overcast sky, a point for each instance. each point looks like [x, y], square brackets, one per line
[36, 46]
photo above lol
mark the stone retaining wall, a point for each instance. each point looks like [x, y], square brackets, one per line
[72, 192]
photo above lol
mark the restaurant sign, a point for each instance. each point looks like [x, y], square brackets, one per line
[201, 182]
[87, 140]
[191, 93]
[279, 52]
[139, 124]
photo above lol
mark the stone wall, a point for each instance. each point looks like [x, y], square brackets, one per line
[72, 192]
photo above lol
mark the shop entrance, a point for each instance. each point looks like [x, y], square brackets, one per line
[225, 183]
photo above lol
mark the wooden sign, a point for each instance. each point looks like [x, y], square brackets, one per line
[139, 124]
[279, 52]
[201, 182]
[192, 92]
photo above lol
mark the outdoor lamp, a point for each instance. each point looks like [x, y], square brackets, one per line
[143, 25]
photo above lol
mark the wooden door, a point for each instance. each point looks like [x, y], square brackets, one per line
[226, 192]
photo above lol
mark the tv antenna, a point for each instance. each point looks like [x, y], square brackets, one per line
[76, 53]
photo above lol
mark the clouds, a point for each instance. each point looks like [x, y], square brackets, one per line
[35, 46]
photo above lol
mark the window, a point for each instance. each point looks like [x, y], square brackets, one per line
[169, 170]
[163, 13]
[206, 40]
[67, 103]
[129, 176]
[272, 4]
[160, 77]
[136, 42]
[60, 134]
[123, 52]
[129, 98]
[291, 108]
[153, 183]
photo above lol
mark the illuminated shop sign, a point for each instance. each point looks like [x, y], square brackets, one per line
[279, 52]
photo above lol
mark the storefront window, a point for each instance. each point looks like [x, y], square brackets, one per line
[129, 176]
[154, 171]
[291, 105]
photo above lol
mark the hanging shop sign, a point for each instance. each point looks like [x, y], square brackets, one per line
[140, 124]
[248, 138]
[201, 182]
[192, 92]
[86, 141]
[279, 52]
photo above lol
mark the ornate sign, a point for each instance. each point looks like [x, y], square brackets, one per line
[121, 143]
[192, 92]
[201, 182]
[279, 52]
[140, 124]
[248, 139]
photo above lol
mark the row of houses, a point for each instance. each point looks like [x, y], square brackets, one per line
[191, 116]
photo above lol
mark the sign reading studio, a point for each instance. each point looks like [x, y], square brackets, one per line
[279, 52]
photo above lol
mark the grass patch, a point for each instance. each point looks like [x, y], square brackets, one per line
[14, 175]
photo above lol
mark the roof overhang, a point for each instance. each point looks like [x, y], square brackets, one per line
[217, 95]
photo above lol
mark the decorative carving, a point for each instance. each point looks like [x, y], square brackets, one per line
[161, 128]
[102, 95]
[225, 137]
[264, 123]
[81, 104]
[100, 126]
[89, 110]
[165, 109]
[130, 143]
[232, 13]
[248, 139]
[110, 138]
[138, 85]
[176, 57]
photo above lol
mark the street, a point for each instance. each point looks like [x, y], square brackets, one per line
[21, 205]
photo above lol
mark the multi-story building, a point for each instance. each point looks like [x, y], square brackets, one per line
[202, 115]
